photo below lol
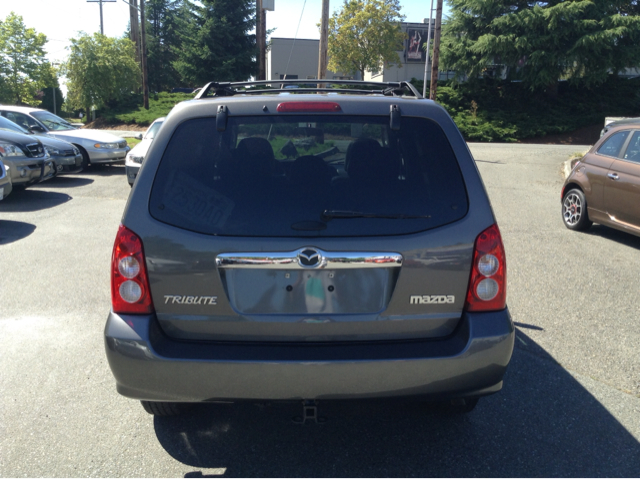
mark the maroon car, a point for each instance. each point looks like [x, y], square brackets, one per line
[604, 187]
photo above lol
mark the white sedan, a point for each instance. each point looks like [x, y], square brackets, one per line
[136, 155]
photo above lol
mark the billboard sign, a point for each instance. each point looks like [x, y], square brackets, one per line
[415, 45]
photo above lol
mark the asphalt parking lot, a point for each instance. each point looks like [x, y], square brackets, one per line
[570, 405]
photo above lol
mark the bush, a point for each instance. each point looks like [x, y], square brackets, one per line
[497, 110]
[130, 109]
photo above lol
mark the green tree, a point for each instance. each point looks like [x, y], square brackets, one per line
[541, 42]
[100, 71]
[22, 57]
[219, 45]
[364, 35]
[169, 22]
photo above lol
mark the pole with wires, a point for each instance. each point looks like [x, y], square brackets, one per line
[294, 41]
[436, 53]
[143, 54]
[324, 35]
[426, 61]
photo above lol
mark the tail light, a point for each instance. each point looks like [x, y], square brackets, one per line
[488, 284]
[308, 107]
[129, 282]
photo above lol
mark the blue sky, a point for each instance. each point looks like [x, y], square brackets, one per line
[60, 20]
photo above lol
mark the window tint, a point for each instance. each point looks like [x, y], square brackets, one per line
[150, 135]
[612, 146]
[633, 150]
[20, 119]
[6, 124]
[308, 176]
[53, 122]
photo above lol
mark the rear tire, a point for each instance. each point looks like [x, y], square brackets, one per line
[574, 211]
[158, 408]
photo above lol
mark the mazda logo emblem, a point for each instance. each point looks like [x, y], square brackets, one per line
[309, 258]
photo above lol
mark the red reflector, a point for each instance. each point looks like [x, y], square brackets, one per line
[129, 244]
[308, 107]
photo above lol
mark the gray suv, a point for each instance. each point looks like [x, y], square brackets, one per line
[308, 244]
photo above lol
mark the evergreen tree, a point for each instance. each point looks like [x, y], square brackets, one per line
[168, 25]
[219, 45]
[541, 42]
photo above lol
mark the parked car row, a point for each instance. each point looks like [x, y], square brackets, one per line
[36, 145]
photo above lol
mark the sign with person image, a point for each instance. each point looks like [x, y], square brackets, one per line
[415, 45]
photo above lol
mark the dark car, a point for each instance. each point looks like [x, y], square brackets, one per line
[330, 243]
[604, 187]
[66, 156]
[26, 157]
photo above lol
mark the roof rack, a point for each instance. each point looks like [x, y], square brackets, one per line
[219, 89]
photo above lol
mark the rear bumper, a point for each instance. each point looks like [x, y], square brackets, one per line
[149, 366]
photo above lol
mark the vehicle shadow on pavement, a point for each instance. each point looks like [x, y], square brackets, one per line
[11, 231]
[29, 200]
[66, 182]
[543, 423]
[104, 170]
[626, 239]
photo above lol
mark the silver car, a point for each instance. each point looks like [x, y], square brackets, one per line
[27, 159]
[66, 156]
[5, 181]
[305, 247]
[95, 146]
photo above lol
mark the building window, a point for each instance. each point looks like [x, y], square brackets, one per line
[289, 77]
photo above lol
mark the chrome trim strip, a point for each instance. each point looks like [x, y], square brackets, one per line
[290, 260]
[622, 223]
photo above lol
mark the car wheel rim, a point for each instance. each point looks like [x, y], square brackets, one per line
[572, 209]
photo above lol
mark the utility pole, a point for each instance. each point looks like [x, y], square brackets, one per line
[426, 60]
[436, 53]
[101, 20]
[263, 40]
[259, 14]
[324, 35]
[145, 83]
[135, 27]
[101, 23]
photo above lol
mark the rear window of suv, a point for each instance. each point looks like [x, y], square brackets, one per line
[296, 176]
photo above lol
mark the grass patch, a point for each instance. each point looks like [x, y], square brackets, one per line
[132, 141]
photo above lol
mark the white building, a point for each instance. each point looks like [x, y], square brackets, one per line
[298, 59]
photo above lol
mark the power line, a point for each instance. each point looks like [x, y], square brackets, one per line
[294, 40]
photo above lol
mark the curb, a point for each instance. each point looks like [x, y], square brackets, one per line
[567, 166]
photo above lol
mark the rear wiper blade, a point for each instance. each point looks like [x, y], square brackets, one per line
[341, 214]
